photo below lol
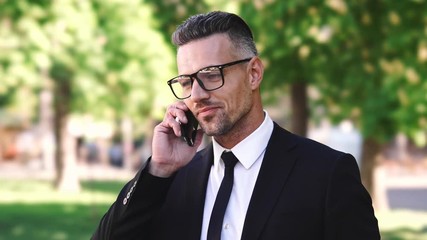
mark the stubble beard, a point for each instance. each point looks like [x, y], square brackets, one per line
[223, 123]
[217, 125]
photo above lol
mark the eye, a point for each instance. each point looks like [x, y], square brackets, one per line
[209, 74]
[186, 84]
[184, 81]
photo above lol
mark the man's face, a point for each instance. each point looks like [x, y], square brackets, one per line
[217, 111]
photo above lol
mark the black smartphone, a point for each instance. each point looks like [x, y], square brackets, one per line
[189, 130]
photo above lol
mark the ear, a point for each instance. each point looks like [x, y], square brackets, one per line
[256, 72]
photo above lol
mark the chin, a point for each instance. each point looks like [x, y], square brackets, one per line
[209, 129]
[217, 129]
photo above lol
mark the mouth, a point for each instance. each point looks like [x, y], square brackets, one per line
[207, 112]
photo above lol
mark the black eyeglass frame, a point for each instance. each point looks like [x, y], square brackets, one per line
[194, 76]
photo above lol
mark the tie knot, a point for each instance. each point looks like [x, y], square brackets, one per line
[229, 159]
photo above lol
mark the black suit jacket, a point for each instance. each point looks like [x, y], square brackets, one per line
[305, 190]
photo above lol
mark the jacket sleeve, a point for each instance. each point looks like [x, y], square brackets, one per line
[349, 212]
[138, 202]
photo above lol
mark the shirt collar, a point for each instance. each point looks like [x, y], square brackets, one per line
[256, 142]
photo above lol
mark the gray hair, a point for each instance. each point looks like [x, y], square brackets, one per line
[204, 25]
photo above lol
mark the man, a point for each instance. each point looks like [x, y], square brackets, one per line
[285, 186]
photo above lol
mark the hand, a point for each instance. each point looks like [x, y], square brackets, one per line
[169, 151]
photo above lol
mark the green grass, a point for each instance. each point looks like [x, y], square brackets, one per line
[48, 221]
[34, 210]
[403, 225]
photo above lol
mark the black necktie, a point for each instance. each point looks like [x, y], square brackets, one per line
[221, 201]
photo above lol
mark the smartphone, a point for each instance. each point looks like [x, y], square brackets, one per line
[189, 130]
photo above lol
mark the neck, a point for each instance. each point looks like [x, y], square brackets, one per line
[243, 128]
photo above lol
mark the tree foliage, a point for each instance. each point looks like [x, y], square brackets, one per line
[101, 58]
[365, 58]
[111, 47]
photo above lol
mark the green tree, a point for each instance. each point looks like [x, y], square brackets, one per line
[364, 57]
[97, 57]
[386, 79]
[299, 41]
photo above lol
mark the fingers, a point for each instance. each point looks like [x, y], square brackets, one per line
[177, 112]
[175, 115]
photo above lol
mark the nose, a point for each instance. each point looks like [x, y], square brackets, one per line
[197, 92]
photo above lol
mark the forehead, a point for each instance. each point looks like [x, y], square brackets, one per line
[213, 50]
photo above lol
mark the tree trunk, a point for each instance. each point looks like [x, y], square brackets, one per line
[370, 152]
[66, 160]
[299, 105]
[66, 179]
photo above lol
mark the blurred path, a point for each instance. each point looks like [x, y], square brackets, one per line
[85, 172]
[396, 187]
[400, 187]
[414, 199]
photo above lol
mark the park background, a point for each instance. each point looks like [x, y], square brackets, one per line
[82, 83]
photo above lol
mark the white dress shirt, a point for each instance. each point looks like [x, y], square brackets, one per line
[250, 152]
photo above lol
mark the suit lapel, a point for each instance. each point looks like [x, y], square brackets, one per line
[275, 170]
[197, 178]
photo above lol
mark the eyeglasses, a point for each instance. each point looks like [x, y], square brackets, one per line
[209, 78]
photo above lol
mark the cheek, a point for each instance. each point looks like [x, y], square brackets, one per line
[236, 92]
[239, 98]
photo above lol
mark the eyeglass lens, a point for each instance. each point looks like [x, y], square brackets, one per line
[209, 79]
